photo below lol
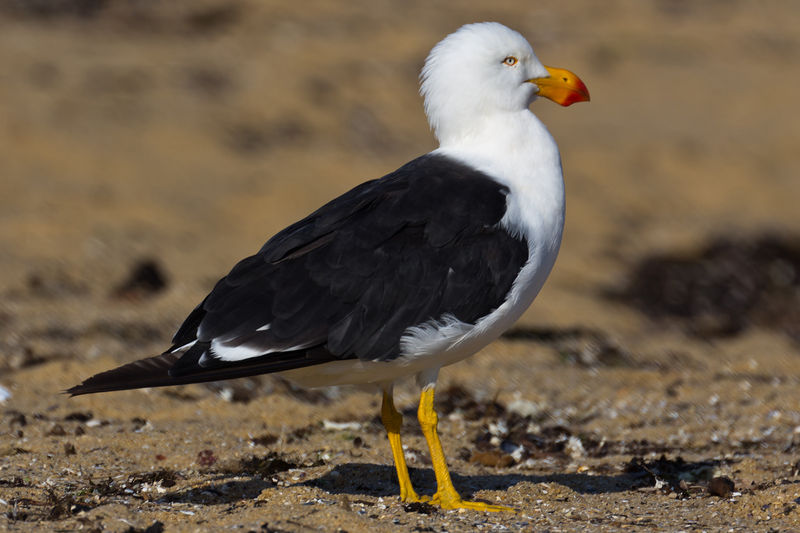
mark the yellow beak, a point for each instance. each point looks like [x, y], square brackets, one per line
[562, 86]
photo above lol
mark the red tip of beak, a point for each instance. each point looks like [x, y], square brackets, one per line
[578, 93]
[562, 86]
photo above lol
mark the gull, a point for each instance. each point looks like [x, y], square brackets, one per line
[405, 274]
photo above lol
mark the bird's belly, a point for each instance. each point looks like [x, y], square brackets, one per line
[353, 372]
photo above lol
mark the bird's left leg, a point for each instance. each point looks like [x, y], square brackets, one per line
[393, 421]
[446, 495]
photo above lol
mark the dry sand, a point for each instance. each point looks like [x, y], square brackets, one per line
[189, 132]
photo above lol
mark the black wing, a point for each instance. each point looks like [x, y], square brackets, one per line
[348, 280]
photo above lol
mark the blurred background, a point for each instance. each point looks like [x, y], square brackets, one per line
[146, 147]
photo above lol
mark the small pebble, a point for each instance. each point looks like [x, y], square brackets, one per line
[57, 431]
[721, 486]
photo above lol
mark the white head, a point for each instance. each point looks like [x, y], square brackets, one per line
[484, 69]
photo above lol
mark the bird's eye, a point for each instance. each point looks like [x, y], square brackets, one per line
[510, 61]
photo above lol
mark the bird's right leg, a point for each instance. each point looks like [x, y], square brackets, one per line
[393, 421]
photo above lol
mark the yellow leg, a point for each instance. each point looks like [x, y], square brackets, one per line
[393, 421]
[446, 495]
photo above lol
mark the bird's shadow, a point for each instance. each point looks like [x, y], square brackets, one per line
[381, 481]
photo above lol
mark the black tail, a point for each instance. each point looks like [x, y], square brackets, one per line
[150, 372]
[155, 371]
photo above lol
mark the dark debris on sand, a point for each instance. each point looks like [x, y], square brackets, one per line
[146, 278]
[505, 438]
[723, 288]
[683, 478]
[579, 345]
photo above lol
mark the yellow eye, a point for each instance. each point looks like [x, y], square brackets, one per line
[510, 61]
